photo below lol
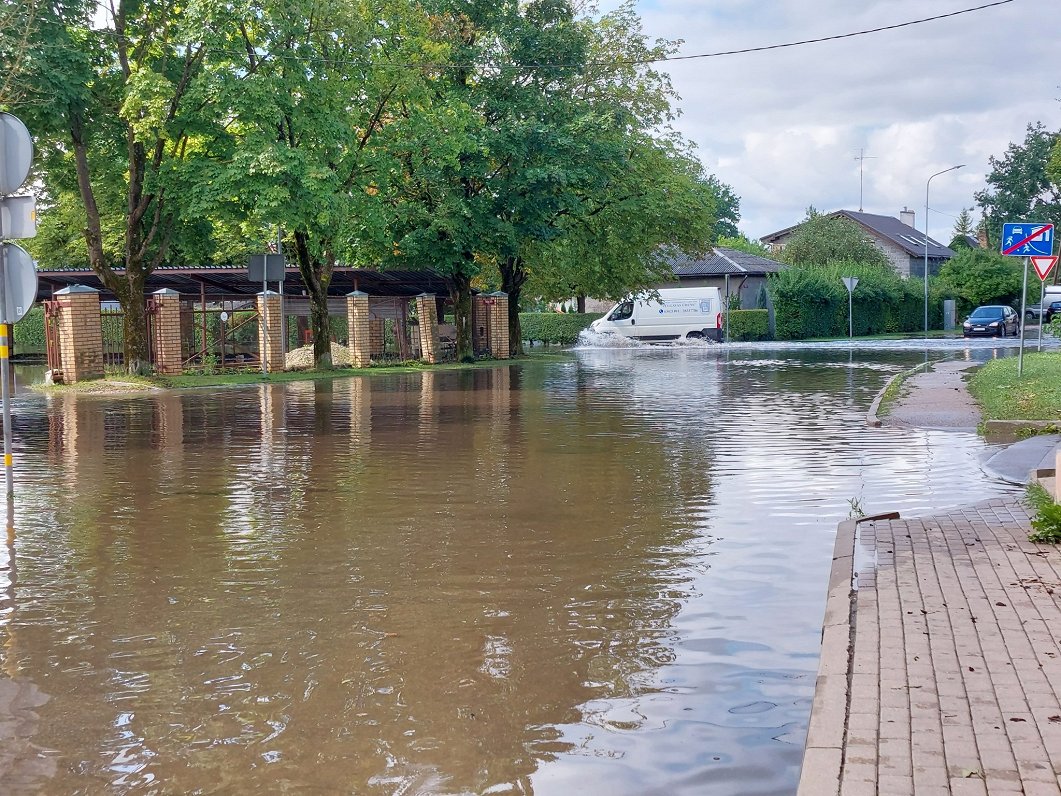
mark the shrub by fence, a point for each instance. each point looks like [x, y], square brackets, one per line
[29, 333]
[556, 328]
[749, 325]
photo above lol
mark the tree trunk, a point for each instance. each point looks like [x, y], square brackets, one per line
[580, 304]
[317, 276]
[462, 316]
[137, 345]
[513, 275]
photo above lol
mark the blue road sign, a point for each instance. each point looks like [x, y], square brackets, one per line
[1028, 239]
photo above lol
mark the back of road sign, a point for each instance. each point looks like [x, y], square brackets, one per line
[16, 153]
[1028, 239]
[272, 264]
[21, 289]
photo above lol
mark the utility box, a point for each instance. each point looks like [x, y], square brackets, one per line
[950, 320]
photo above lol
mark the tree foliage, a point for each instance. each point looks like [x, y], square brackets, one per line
[1021, 185]
[975, 276]
[822, 239]
[493, 140]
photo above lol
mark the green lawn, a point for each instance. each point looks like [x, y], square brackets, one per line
[119, 382]
[1035, 396]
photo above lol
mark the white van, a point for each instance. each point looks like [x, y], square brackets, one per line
[679, 313]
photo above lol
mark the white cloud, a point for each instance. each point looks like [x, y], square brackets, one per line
[784, 127]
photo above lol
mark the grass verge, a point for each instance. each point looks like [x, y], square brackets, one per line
[1034, 396]
[118, 383]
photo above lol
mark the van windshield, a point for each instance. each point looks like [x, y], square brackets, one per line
[621, 311]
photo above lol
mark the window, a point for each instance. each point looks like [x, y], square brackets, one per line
[622, 311]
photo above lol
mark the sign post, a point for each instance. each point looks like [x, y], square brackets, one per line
[850, 282]
[1027, 239]
[17, 220]
[265, 268]
[1043, 266]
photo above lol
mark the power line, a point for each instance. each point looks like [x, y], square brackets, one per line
[610, 63]
[829, 38]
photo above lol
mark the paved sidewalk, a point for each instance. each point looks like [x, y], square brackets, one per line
[1016, 463]
[938, 399]
[941, 671]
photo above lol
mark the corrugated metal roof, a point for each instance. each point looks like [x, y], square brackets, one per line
[724, 261]
[231, 281]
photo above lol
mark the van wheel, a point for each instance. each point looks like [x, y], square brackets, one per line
[694, 335]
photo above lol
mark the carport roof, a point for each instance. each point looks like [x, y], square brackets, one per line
[722, 261]
[230, 282]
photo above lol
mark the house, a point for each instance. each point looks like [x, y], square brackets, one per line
[733, 272]
[896, 237]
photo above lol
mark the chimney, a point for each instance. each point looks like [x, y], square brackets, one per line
[907, 217]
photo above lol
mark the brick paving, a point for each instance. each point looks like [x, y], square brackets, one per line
[941, 671]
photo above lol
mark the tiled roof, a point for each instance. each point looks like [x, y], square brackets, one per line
[883, 227]
[903, 235]
[724, 261]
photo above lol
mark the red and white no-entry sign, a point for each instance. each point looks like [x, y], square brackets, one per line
[1043, 265]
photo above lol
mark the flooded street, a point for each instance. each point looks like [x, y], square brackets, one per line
[603, 574]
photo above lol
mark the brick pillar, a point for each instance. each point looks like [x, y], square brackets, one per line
[426, 311]
[166, 333]
[359, 325]
[271, 346]
[375, 336]
[80, 333]
[499, 347]
[480, 323]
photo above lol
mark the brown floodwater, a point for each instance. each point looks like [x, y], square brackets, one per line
[599, 575]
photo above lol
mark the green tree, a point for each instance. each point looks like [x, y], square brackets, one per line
[18, 24]
[1020, 186]
[964, 228]
[312, 91]
[116, 101]
[822, 239]
[743, 243]
[976, 276]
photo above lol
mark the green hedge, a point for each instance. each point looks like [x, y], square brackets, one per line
[558, 328]
[811, 301]
[29, 332]
[749, 325]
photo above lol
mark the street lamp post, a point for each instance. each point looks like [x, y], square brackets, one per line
[927, 185]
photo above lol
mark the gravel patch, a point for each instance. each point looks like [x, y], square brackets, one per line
[302, 358]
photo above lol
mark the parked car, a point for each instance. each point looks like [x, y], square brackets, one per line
[991, 321]
[1032, 312]
[1052, 309]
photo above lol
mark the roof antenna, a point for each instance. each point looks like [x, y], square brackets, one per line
[862, 157]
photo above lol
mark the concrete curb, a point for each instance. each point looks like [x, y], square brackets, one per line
[823, 753]
[872, 418]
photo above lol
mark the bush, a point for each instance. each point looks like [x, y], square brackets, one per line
[811, 301]
[749, 325]
[557, 328]
[1046, 524]
[29, 332]
[975, 277]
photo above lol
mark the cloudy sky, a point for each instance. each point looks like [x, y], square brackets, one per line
[784, 127]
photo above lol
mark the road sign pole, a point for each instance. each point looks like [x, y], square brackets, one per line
[1042, 300]
[265, 321]
[5, 372]
[1023, 309]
